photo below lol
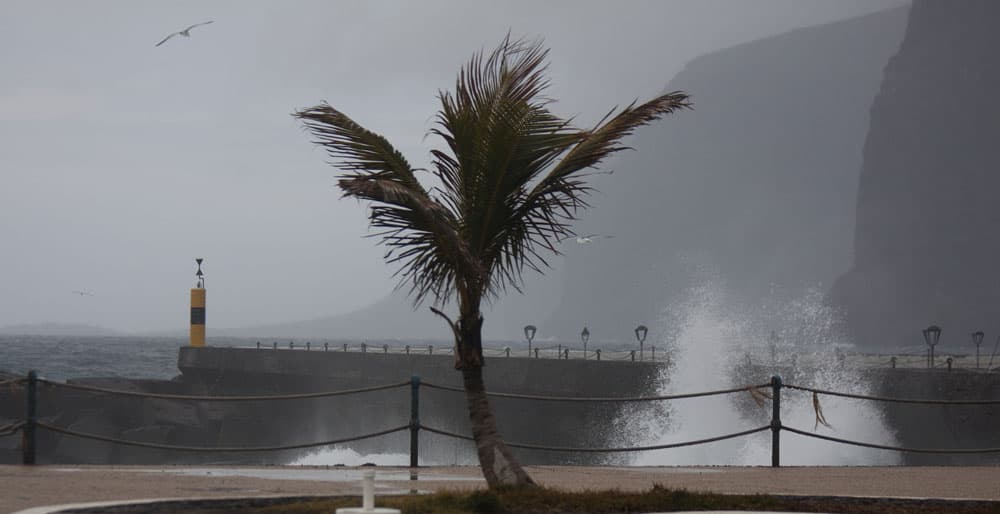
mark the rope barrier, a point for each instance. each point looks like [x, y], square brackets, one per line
[11, 429]
[12, 381]
[224, 398]
[607, 450]
[599, 399]
[218, 449]
[894, 400]
[885, 447]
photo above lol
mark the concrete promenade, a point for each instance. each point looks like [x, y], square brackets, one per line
[24, 487]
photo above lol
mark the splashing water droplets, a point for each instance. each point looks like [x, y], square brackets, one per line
[716, 345]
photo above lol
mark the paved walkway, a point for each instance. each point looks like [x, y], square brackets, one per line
[22, 487]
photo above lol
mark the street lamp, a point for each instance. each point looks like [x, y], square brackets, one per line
[585, 336]
[640, 335]
[977, 339]
[529, 334]
[931, 336]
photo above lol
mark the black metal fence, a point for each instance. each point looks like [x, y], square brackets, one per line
[770, 391]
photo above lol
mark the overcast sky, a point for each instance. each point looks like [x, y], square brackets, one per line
[121, 161]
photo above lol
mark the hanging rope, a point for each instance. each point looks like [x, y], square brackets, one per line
[758, 395]
[223, 398]
[818, 409]
[885, 447]
[606, 450]
[595, 399]
[218, 449]
[12, 381]
[894, 400]
[11, 429]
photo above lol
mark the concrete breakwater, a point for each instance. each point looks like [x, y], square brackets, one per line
[247, 371]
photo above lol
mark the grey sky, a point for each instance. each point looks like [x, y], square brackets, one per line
[121, 162]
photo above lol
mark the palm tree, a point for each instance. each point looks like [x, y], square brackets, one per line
[511, 181]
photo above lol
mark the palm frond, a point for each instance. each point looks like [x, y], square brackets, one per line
[419, 232]
[556, 199]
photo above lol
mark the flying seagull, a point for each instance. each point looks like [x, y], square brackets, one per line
[589, 238]
[83, 293]
[186, 32]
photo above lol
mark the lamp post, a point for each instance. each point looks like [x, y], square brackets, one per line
[772, 342]
[529, 334]
[931, 336]
[585, 336]
[977, 339]
[640, 335]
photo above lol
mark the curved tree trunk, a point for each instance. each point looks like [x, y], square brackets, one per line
[499, 466]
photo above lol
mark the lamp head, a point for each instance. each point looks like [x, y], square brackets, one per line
[932, 335]
[585, 335]
[977, 337]
[529, 332]
[640, 333]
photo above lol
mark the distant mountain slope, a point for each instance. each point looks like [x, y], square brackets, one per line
[754, 188]
[756, 185]
[928, 218]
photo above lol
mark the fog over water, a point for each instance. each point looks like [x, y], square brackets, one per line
[123, 161]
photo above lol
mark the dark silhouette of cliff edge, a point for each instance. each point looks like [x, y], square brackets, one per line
[754, 189]
[928, 219]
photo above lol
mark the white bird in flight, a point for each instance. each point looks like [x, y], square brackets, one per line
[186, 32]
[83, 293]
[589, 238]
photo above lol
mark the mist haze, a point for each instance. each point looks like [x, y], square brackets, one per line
[123, 161]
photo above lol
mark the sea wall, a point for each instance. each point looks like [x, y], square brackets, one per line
[247, 371]
[243, 371]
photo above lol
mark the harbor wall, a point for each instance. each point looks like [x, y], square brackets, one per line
[249, 371]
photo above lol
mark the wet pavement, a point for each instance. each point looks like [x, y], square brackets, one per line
[23, 487]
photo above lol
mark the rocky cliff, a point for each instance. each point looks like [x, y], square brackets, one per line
[753, 191]
[927, 218]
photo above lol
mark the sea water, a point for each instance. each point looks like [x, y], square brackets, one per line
[713, 340]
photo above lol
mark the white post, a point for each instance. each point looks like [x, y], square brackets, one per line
[367, 498]
[368, 491]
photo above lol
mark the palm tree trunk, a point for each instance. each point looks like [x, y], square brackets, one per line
[499, 466]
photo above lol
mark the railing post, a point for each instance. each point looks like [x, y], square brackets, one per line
[28, 443]
[414, 420]
[776, 421]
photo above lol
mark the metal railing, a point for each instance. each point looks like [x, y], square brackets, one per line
[31, 424]
[559, 351]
